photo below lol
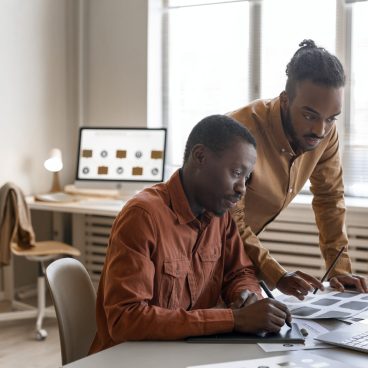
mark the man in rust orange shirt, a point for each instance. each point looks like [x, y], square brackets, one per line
[175, 264]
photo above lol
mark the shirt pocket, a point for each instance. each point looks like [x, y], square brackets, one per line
[173, 282]
[209, 258]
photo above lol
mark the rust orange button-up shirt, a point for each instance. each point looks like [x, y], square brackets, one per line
[165, 270]
[278, 176]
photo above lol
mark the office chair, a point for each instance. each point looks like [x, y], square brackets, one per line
[74, 299]
[17, 238]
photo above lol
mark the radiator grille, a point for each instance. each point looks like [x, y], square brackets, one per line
[292, 239]
[96, 236]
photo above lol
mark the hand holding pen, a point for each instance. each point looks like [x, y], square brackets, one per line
[331, 267]
[252, 315]
[270, 295]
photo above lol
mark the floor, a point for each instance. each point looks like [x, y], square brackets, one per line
[18, 347]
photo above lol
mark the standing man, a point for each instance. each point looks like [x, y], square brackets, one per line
[175, 265]
[297, 140]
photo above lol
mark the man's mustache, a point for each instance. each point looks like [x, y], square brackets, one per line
[314, 136]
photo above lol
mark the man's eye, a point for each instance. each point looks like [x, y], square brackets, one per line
[237, 173]
[331, 120]
[308, 116]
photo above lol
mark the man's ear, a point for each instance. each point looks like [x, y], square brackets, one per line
[199, 154]
[284, 101]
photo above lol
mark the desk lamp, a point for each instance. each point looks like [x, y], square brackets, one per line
[54, 164]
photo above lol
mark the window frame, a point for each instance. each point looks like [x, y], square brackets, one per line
[343, 50]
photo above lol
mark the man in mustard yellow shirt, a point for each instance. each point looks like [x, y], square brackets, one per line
[297, 140]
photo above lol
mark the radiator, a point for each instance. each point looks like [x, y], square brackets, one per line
[292, 239]
[96, 237]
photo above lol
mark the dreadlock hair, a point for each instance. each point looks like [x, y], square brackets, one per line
[315, 64]
[217, 132]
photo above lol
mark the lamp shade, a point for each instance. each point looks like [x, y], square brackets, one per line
[54, 163]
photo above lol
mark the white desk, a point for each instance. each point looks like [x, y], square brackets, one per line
[296, 226]
[181, 354]
[91, 206]
[88, 227]
[164, 354]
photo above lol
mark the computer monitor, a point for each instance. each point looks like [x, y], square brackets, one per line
[112, 157]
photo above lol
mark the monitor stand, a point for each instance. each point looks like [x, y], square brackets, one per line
[107, 190]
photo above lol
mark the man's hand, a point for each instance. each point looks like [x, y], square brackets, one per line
[298, 284]
[358, 282]
[266, 315]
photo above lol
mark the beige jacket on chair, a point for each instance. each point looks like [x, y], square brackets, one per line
[15, 221]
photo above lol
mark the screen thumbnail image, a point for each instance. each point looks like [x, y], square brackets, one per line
[121, 154]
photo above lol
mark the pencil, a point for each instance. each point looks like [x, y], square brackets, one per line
[331, 267]
[270, 295]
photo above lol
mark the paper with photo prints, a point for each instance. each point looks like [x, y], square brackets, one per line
[334, 304]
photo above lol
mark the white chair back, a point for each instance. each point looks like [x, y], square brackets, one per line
[74, 299]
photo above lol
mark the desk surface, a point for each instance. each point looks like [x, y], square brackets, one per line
[181, 354]
[91, 206]
[110, 207]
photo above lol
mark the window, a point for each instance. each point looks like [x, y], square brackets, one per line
[220, 55]
[355, 153]
[206, 74]
[285, 23]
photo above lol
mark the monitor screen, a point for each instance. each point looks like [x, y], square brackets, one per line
[121, 154]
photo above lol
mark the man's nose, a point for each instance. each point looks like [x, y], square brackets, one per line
[240, 187]
[319, 128]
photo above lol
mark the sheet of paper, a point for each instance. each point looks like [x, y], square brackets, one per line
[296, 359]
[334, 304]
[360, 317]
[313, 328]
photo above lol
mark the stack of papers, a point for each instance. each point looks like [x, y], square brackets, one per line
[56, 197]
[334, 304]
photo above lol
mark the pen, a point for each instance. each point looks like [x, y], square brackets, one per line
[270, 295]
[331, 267]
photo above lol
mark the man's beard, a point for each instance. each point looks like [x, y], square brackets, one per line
[290, 132]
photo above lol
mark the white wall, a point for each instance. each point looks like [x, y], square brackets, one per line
[115, 63]
[42, 100]
[36, 104]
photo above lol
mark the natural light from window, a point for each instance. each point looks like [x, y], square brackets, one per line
[207, 65]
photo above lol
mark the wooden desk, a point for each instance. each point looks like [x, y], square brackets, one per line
[181, 354]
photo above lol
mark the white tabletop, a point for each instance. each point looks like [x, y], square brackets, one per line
[91, 206]
[181, 354]
[111, 207]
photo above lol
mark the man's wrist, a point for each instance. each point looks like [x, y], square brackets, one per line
[282, 277]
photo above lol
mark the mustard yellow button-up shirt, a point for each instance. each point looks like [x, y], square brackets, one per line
[165, 270]
[278, 177]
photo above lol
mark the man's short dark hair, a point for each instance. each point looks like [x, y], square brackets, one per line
[217, 132]
[315, 64]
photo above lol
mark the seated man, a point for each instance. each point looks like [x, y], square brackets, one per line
[175, 252]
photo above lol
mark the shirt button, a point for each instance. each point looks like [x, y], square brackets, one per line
[290, 190]
[283, 149]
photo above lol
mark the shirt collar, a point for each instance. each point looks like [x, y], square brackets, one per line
[180, 203]
[279, 136]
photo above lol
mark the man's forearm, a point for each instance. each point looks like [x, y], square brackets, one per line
[144, 322]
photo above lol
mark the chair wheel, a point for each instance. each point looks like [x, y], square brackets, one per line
[41, 335]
